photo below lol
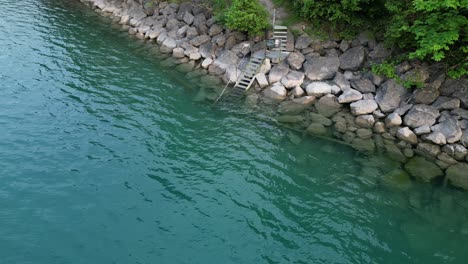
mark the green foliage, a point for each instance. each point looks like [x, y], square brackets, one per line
[246, 15]
[386, 69]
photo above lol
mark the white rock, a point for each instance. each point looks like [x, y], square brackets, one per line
[262, 80]
[318, 89]
[393, 120]
[407, 135]
[206, 63]
[349, 96]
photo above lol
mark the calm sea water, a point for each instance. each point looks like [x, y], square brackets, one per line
[106, 158]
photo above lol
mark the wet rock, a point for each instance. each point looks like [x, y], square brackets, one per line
[389, 95]
[365, 121]
[395, 153]
[407, 135]
[321, 68]
[318, 89]
[178, 53]
[328, 105]
[278, 72]
[352, 59]
[316, 129]
[450, 128]
[363, 107]
[293, 79]
[421, 115]
[342, 128]
[428, 150]
[364, 133]
[303, 42]
[397, 179]
[277, 92]
[295, 60]
[168, 45]
[349, 96]
[290, 119]
[298, 92]
[393, 120]
[251, 100]
[320, 119]
[422, 169]
[446, 103]
[363, 85]
[444, 157]
[363, 144]
[379, 127]
[458, 176]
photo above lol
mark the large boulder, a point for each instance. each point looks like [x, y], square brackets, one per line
[363, 85]
[277, 92]
[353, 59]
[303, 42]
[422, 169]
[407, 135]
[197, 41]
[328, 105]
[168, 45]
[389, 95]
[318, 89]
[450, 128]
[295, 60]
[293, 79]
[349, 96]
[421, 115]
[363, 107]
[321, 68]
[278, 72]
[458, 176]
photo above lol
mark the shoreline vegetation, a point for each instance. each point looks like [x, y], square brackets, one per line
[325, 88]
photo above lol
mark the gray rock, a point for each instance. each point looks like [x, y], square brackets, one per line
[295, 60]
[428, 150]
[215, 30]
[460, 90]
[462, 113]
[379, 127]
[188, 18]
[364, 144]
[395, 153]
[364, 133]
[155, 32]
[262, 80]
[458, 176]
[191, 33]
[450, 128]
[365, 121]
[436, 138]
[349, 96]
[344, 45]
[446, 103]
[321, 68]
[421, 115]
[303, 42]
[378, 114]
[342, 128]
[464, 138]
[444, 157]
[206, 50]
[206, 63]
[316, 129]
[296, 106]
[363, 85]
[320, 119]
[363, 107]
[379, 53]
[318, 89]
[173, 24]
[341, 81]
[460, 152]
[168, 45]
[352, 59]
[278, 72]
[277, 92]
[404, 107]
[422, 130]
[422, 169]
[293, 79]
[178, 52]
[298, 92]
[407, 135]
[328, 105]
[198, 41]
[393, 120]
[425, 96]
[389, 95]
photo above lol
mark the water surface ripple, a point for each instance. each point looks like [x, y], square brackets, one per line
[106, 158]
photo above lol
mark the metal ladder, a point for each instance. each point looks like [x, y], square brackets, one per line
[280, 33]
[248, 75]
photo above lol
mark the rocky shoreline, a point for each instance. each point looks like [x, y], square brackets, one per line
[323, 88]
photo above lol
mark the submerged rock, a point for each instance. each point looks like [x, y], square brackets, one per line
[398, 179]
[328, 105]
[458, 175]
[316, 129]
[422, 169]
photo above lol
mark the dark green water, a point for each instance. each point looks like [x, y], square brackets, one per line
[106, 158]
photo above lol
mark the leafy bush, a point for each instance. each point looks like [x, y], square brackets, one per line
[246, 15]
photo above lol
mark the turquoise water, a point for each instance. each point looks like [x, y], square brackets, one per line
[105, 157]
